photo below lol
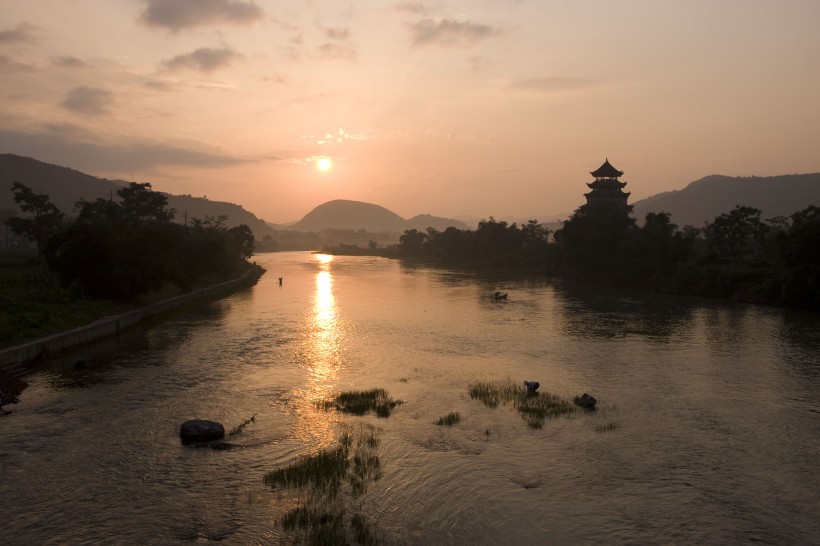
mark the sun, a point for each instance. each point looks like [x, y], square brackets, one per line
[324, 164]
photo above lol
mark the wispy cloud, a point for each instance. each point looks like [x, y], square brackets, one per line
[178, 14]
[88, 101]
[448, 32]
[336, 52]
[9, 65]
[340, 136]
[550, 84]
[87, 151]
[412, 7]
[69, 62]
[337, 34]
[23, 32]
[204, 59]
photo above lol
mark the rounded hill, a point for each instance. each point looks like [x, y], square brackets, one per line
[344, 214]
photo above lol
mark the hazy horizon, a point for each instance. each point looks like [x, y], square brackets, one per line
[496, 108]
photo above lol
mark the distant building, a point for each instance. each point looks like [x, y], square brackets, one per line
[606, 187]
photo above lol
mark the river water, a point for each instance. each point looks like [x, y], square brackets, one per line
[707, 432]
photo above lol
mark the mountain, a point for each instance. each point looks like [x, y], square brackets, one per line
[66, 186]
[355, 215]
[705, 199]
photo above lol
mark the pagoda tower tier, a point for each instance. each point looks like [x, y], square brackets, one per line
[606, 186]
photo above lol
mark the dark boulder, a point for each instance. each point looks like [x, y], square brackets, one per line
[201, 430]
[585, 401]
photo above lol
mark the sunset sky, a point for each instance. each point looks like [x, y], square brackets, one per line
[454, 108]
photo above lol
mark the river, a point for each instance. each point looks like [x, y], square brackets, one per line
[707, 432]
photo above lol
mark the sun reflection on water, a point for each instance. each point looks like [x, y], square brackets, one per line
[325, 358]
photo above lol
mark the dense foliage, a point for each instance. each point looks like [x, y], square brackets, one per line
[122, 249]
[738, 255]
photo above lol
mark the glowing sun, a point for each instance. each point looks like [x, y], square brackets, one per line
[324, 164]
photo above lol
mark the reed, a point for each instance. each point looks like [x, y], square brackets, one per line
[450, 419]
[361, 402]
[613, 425]
[534, 408]
[241, 426]
[332, 478]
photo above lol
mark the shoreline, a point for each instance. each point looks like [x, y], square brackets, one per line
[14, 360]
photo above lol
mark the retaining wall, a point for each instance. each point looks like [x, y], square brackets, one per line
[13, 360]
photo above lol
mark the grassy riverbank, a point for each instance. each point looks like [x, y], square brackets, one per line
[33, 304]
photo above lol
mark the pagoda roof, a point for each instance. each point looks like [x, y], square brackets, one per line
[606, 171]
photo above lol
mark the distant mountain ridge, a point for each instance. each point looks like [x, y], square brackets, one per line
[699, 202]
[65, 186]
[705, 199]
[356, 215]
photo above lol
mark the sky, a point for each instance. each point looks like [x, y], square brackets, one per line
[480, 108]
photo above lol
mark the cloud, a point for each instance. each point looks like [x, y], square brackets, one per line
[204, 59]
[412, 7]
[23, 32]
[88, 101]
[553, 84]
[9, 65]
[68, 62]
[178, 14]
[81, 149]
[336, 52]
[341, 135]
[338, 34]
[447, 32]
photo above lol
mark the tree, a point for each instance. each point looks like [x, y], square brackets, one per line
[590, 240]
[46, 218]
[141, 203]
[411, 241]
[734, 235]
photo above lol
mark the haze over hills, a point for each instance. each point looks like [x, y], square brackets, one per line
[699, 202]
[344, 214]
[705, 199]
[66, 186]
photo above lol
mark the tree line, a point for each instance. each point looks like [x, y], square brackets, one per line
[738, 255]
[121, 249]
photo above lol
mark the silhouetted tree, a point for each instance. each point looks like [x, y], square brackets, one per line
[589, 241]
[410, 242]
[141, 203]
[735, 235]
[45, 218]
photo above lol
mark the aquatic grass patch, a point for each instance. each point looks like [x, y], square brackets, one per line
[361, 402]
[493, 393]
[332, 478]
[324, 470]
[612, 425]
[534, 408]
[450, 419]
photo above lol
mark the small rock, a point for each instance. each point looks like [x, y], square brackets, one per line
[586, 401]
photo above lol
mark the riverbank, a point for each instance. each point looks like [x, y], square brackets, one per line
[14, 360]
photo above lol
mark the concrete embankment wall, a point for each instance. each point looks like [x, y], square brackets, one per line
[13, 360]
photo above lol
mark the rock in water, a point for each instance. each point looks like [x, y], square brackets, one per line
[586, 401]
[201, 430]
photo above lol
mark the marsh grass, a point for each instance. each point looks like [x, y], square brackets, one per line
[450, 419]
[332, 478]
[534, 408]
[612, 425]
[361, 402]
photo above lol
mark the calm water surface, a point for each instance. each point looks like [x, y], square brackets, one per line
[708, 430]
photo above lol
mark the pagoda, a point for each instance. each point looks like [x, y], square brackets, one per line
[606, 187]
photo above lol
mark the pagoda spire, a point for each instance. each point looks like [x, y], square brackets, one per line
[606, 187]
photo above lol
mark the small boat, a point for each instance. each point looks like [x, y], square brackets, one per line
[500, 296]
